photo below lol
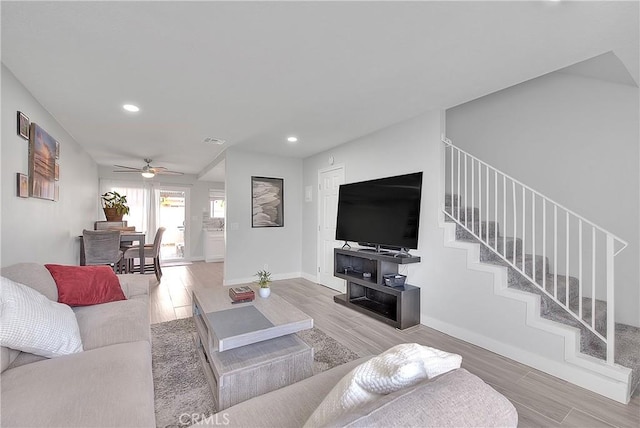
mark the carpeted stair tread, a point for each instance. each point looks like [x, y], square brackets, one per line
[562, 286]
[528, 263]
[480, 228]
[464, 213]
[627, 351]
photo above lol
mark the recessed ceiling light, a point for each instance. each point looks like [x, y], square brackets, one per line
[130, 107]
[292, 139]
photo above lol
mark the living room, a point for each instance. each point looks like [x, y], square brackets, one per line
[405, 141]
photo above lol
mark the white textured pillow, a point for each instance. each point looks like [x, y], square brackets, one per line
[30, 322]
[399, 367]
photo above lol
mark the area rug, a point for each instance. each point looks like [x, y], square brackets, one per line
[181, 388]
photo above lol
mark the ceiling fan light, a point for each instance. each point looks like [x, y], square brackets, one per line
[148, 174]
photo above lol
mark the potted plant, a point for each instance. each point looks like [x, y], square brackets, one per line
[264, 278]
[114, 206]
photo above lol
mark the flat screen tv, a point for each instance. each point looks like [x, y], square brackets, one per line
[384, 213]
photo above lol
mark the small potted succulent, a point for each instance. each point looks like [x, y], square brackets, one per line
[114, 205]
[264, 278]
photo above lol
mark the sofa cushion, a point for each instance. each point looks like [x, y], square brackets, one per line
[135, 285]
[110, 386]
[86, 285]
[7, 356]
[290, 406]
[398, 367]
[454, 399]
[114, 322]
[25, 358]
[33, 275]
[30, 322]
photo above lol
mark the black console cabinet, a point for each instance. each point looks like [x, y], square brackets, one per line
[366, 292]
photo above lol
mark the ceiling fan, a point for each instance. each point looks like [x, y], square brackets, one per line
[147, 171]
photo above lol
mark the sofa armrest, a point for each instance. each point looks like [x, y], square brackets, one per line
[453, 399]
[134, 285]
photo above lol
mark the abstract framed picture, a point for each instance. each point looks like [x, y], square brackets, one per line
[267, 200]
[22, 182]
[23, 125]
[42, 163]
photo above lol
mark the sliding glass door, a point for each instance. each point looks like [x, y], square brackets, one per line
[154, 205]
[172, 215]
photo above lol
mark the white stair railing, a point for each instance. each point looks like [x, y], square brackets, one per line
[572, 259]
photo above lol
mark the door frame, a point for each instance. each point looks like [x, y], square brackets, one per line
[319, 239]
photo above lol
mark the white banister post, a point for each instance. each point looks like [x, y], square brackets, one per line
[495, 206]
[611, 315]
[451, 192]
[473, 196]
[544, 244]
[524, 233]
[480, 202]
[466, 180]
[458, 195]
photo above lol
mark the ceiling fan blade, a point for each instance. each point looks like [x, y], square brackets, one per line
[129, 171]
[128, 167]
[148, 168]
[167, 172]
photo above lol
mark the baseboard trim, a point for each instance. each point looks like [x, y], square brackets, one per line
[309, 277]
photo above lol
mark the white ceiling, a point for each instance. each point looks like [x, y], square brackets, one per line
[253, 73]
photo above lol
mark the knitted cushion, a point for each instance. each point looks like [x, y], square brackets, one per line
[32, 323]
[399, 367]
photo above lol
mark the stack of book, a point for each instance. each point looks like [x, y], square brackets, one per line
[241, 294]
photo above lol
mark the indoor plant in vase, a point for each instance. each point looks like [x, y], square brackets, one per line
[114, 206]
[264, 278]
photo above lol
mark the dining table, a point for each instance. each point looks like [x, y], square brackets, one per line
[125, 236]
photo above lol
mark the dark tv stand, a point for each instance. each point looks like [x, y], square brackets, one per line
[396, 306]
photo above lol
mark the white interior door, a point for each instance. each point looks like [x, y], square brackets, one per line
[329, 180]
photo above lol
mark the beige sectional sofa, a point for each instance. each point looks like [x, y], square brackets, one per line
[108, 384]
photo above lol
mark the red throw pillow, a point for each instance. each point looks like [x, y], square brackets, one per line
[86, 285]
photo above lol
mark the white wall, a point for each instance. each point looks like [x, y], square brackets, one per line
[396, 150]
[249, 249]
[198, 202]
[38, 230]
[576, 140]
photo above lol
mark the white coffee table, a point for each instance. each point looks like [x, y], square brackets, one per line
[250, 348]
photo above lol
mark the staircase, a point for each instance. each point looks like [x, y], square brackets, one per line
[548, 251]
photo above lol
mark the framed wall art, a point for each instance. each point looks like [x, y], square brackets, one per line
[22, 182]
[42, 163]
[23, 125]
[267, 199]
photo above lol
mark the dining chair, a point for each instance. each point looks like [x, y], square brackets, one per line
[102, 247]
[114, 225]
[151, 251]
